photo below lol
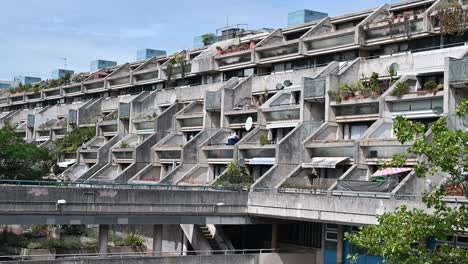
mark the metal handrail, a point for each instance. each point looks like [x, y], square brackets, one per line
[150, 254]
[160, 186]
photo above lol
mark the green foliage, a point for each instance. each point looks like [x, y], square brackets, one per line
[124, 144]
[73, 230]
[111, 116]
[374, 82]
[39, 230]
[180, 59]
[264, 139]
[402, 236]
[335, 96]
[430, 85]
[400, 89]
[20, 160]
[208, 38]
[235, 177]
[134, 240]
[10, 239]
[73, 140]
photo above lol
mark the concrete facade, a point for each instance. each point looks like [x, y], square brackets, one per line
[272, 102]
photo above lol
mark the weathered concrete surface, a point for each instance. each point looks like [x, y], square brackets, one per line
[323, 208]
[213, 259]
[267, 258]
[38, 205]
[120, 206]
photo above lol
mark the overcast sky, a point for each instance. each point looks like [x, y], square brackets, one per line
[35, 34]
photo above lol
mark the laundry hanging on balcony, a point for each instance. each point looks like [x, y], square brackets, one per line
[324, 162]
[66, 163]
[282, 124]
[390, 171]
[262, 161]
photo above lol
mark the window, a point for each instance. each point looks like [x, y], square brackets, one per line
[354, 131]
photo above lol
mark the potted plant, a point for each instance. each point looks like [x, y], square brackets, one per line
[400, 89]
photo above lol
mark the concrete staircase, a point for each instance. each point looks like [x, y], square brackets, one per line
[209, 237]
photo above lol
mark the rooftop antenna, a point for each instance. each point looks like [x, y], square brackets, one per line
[64, 62]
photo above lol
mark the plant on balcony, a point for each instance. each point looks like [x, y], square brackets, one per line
[73, 140]
[392, 73]
[112, 116]
[335, 96]
[430, 85]
[451, 18]
[400, 89]
[264, 139]
[208, 38]
[403, 236]
[374, 84]
[235, 177]
[124, 144]
[170, 70]
[182, 61]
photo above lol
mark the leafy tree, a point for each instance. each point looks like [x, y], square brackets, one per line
[208, 38]
[20, 160]
[404, 235]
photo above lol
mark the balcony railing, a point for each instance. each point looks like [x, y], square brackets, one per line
[458, 70]
[124, 110]
[314, 87]
[213, 101]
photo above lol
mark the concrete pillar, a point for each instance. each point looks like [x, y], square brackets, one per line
[157, 239]
[103, 238]
[340, 244]
[185, 244]
[274, 236]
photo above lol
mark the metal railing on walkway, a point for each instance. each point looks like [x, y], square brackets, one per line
[148, 254]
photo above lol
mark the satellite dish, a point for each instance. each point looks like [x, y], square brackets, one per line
[173, 98]
[248, 123]
[279, 86]
[287, 83]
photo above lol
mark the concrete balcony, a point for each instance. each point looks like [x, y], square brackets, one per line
[168, 150]
[95, 86]
[16, 98]
[339, 40]
[190, 118]
[147, 72]
[52, 93]
[278, 51]
[356, 110]
[33, 97]
[220, 148]
[4, 101]
[72, 90]
[227, 61]
[400, 28]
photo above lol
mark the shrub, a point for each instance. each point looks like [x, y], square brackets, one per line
[335, 96]
[74, 230]
[430, 85]
[264, 139]
[124, 144]
[134, 240]
[400, 89]
[235, 177]
[73, 140]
